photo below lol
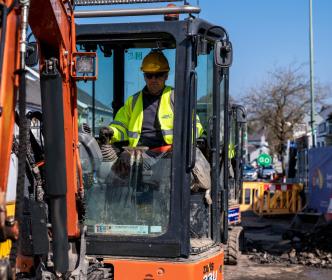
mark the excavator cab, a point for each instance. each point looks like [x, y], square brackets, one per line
[83, 214]
[144, 220]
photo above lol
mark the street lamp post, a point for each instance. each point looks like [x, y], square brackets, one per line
[312, 96]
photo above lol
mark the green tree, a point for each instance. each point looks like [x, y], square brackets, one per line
[279, 104]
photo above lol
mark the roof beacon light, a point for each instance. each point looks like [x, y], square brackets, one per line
[116, 2]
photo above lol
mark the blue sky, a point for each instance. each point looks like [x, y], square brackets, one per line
[268, 34]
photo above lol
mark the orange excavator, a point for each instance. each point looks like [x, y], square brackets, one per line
[66, 213]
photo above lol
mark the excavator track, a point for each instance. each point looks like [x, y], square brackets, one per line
[234, 245]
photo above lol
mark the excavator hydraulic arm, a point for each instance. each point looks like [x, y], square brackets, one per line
[9, 63]
[52, 23]
[9, 59]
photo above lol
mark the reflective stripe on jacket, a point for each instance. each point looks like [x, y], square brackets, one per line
[231, 150]
[128, 121]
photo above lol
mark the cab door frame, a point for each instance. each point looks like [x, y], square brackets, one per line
[175, 242]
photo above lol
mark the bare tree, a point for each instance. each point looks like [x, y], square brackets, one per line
[280, 103]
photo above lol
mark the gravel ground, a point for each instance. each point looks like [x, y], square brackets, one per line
[248, 270]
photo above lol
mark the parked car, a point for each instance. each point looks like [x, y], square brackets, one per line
[266, 172]
[249, 173]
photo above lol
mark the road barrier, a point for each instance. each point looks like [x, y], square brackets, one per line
[271, 198]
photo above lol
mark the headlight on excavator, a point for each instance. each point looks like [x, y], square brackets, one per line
[84, 66]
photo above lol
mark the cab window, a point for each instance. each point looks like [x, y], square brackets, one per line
[94, 99]
[134, 79]
[128, 192]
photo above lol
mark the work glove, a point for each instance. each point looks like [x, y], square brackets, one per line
[105, 135]
[122, 165]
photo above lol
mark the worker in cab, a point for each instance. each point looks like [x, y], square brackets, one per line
[146, 119]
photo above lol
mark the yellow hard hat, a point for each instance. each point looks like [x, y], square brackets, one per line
[155, 62]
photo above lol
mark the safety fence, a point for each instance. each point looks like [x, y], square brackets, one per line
[271, 198]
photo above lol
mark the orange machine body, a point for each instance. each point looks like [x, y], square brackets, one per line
[208, 266]
[53, 26]
[8, 86]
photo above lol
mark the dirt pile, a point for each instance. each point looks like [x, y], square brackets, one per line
[317, 259]
[311, 249]
[320, 239]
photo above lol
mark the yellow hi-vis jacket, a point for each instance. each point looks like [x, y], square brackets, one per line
[231, 150]
[127, 124]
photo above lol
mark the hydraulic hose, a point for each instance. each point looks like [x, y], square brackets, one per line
[23, 131]
[22, 153]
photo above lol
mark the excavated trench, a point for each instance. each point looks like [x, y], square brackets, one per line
[268, 256]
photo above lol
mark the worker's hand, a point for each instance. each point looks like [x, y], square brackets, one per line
[122, 166]
[105, 135]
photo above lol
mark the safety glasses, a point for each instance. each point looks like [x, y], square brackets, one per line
[156, 75]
